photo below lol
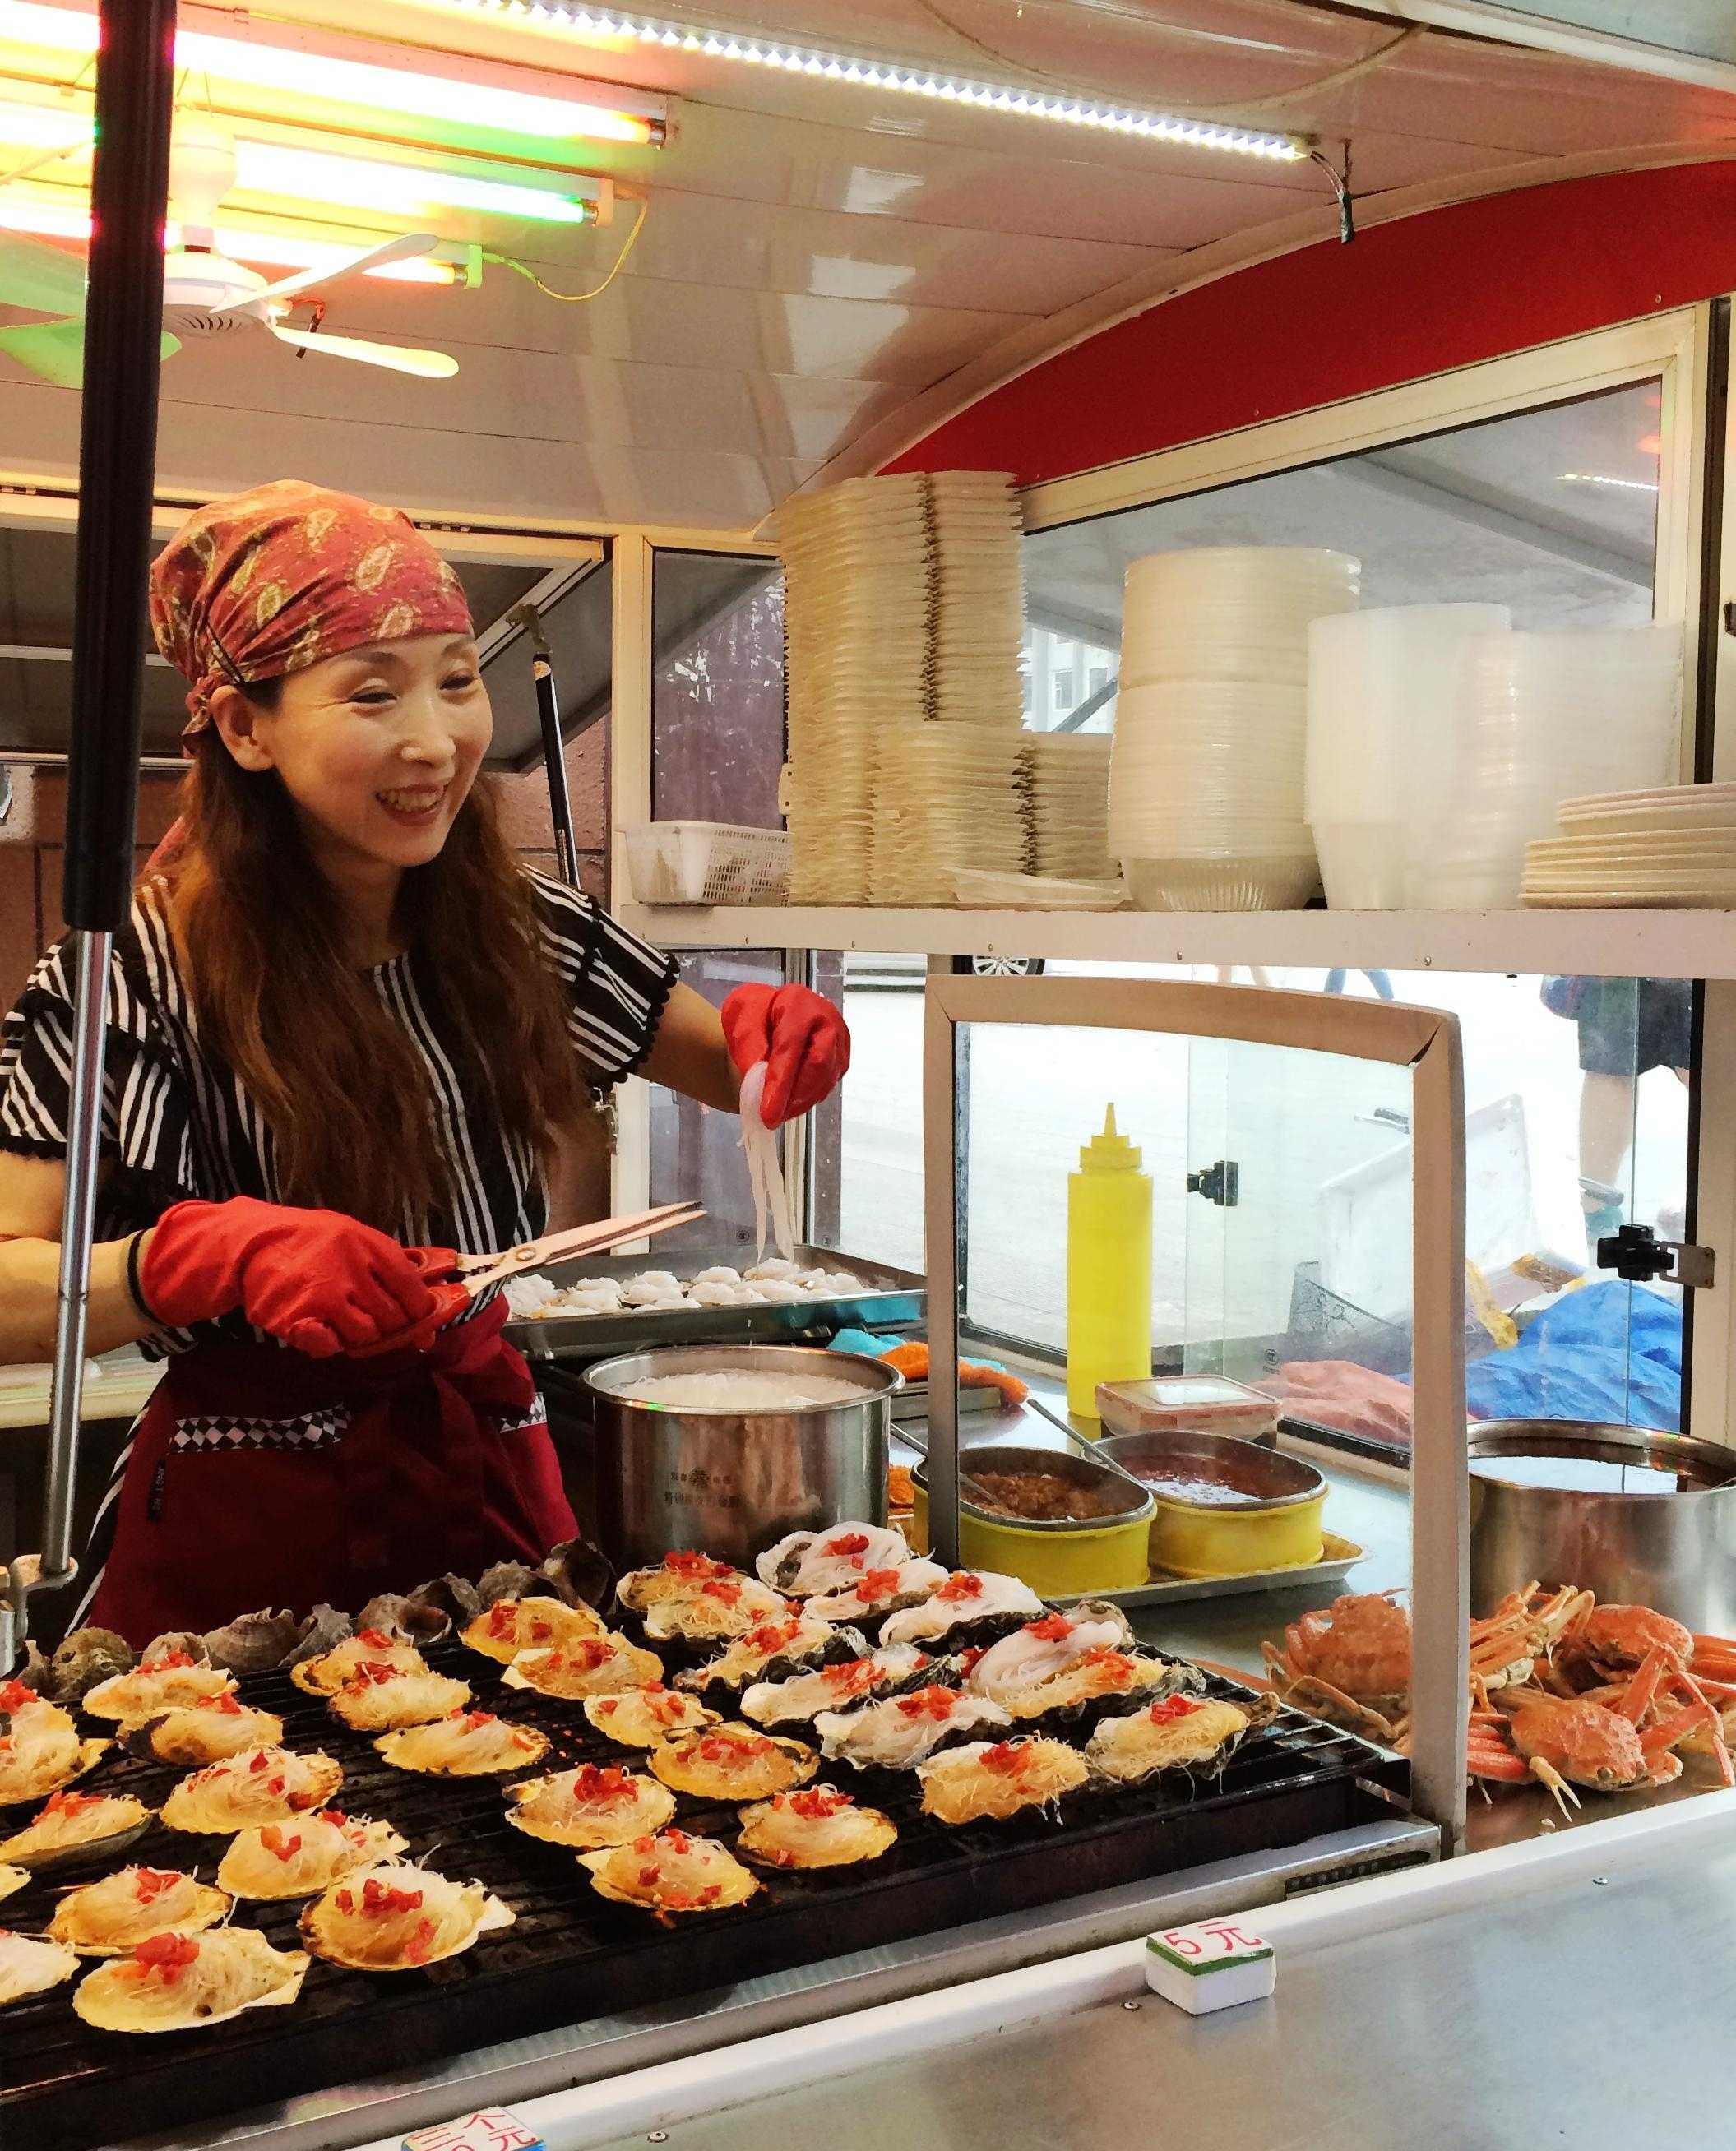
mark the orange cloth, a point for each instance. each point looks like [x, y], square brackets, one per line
[912, 1362]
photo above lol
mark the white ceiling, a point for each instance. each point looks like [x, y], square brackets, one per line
[818, 256]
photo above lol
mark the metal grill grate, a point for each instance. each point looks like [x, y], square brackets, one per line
[571, 1955]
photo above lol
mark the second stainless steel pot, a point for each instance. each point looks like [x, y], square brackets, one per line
[729, 1482]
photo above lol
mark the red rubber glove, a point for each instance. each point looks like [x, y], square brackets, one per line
[316, 1280]
[802, 1038]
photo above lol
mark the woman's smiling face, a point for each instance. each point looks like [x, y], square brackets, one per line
[378, 747]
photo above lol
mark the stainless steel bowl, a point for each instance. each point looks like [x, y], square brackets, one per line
[730, 1483]
[1672, 1551]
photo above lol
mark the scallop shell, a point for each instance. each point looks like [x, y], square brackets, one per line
[40, 1750]
[717, 1612]
[806, 1829]
[408, 1699]
[326, 1674]
[512, 1625]
[555, 1810]
[76, 1826]
[313, 1852]
[686, 1870]
[155, 1686]
[469, 1744]
[965, 1785]
[242, 1792]
[732, 1763]
[336, 1926]
[593, 1665]
[237, 1968]
[110, 1917]
[12, 1880]
[639, 1718]
[1181, 1732]
[193, 1738]
[30, 1966]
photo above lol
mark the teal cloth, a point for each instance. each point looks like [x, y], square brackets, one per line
[876, 1348]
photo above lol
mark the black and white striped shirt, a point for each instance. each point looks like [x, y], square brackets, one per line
[177, 1123]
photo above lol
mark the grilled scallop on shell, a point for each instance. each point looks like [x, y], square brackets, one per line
[111, 1917]
[246, 1791]
[12, 1880]
[469, 1743]
[819, 1826]
[30, 1966]
[642, 1716]
[988, 1781]
[76, 1826]
[1179, 1731]
[512, 1625]
[732, 1763]
[203, 1733]
[327, 1673]
[670, 1872]
[178, 1982]
[799, 1699]
[589, 1808]
[285, 1859]
[170, 1682]
[591, 1665]
[375, 1700]
[40, 1750]
[396, 1917]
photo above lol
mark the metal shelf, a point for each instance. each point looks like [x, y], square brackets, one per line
[1654, 944]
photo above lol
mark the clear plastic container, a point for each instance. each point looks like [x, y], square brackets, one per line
[1207, 1404]
[708, 862]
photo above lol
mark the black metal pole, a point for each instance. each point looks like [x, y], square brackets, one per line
[555, 759]
[118, 452]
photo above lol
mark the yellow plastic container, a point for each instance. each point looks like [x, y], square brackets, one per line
[1056, 1560]
[1273, 1521]
[1109, 1269]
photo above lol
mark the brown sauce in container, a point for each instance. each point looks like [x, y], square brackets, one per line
[1047, 1497]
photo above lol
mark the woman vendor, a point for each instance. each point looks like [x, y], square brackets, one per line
[345, 1020]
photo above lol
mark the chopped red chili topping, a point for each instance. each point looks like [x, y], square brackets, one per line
[1171, 1708]
[678, 1840]
[694, 1564]
[262, 1761]
[373, 1672]
[818, 1803]
[853, 1673]
[170, 1661]
[540, 1629]
[588, 1654]
[935, 1702]
[724, 1591]
[274, 1841]
[383, 1899]
[335, 1816]
[968, 1660]
[228, 1705]
[877, 1583]
[961, 1585]
[375, 1639]
[847, 1544]
[1052, 1628]
[473, 1718]
[420, 1947]
[594, 1787]
[771, 1634]
[1006, 1759]
[72, 1804]
[148, 1883]
[503, 1619]
[167, 1955]
[345, 1901]
[1110, 1668]
[15, 1696]
[648, 1876]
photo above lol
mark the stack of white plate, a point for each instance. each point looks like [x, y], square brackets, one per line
[1555, 716]
[944, 799]
[1672, 846]
[903, 608]
[1063, 783]
[1205, 778]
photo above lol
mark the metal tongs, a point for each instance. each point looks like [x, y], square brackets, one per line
[459, 1281]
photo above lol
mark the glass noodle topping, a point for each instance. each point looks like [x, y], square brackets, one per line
[731, 1390]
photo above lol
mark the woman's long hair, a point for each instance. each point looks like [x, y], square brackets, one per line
[279, 997]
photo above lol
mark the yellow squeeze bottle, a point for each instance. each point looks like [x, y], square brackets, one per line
[1109, 1269]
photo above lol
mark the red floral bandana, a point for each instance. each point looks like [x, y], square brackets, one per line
[268, 581]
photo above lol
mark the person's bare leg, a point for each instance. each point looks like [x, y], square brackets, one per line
[1605, 1127]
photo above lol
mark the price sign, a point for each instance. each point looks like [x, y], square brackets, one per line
[494, 2129]
[1211, 1942]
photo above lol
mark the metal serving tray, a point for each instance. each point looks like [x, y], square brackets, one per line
[1338, 1556]
[892, 1299]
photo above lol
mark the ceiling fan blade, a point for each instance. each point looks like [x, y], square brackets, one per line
[392, 249]
[42, 279]
[400, 358]
[54, 351]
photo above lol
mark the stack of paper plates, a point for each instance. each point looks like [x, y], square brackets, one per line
[1063, 780]
[1668, 846]
[944, 799]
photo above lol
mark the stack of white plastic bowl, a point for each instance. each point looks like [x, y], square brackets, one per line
[1554, 715]
[1205, 778]
[1389, 712]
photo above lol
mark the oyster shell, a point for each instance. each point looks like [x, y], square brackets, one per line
[1178, 1732]
[396, 1917]
[184, 1982]
[589, 1808]
[255, 1642]
[111, 1917]
[809, 1564]
[772, 1649]
[84, 1657]
[904, 1730]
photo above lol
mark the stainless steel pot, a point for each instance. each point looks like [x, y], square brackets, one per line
[1673, 1551]
[731, 1483]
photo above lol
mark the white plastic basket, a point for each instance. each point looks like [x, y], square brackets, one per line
[708, 862]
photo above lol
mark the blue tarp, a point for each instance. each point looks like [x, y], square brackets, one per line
[1611, 1352]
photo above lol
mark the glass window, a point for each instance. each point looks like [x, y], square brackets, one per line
[717, 731]
[1064, 688]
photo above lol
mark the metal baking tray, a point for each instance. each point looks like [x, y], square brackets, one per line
[892, 1299]
[1338, 1556]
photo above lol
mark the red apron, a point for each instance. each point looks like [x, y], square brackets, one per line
[260, 1477]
